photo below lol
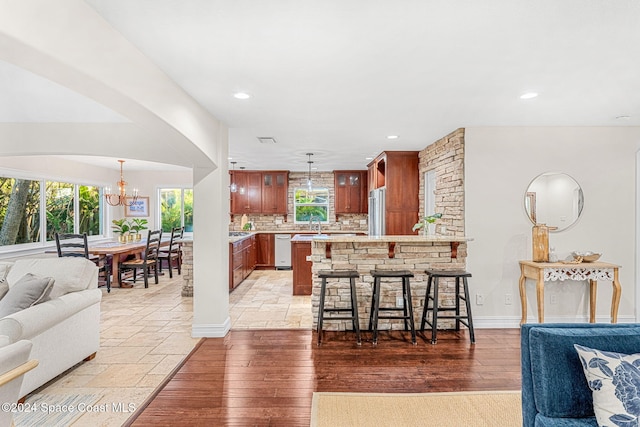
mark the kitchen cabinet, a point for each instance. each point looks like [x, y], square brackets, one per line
[260, 192]
[397, 172]
[350, 191]
[302, 276]
[242, 260]
[248, 197]
[275, 186]
[265, 251]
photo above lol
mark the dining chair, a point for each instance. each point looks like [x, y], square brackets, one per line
[149, 259]
[75, 245]
[174, 251]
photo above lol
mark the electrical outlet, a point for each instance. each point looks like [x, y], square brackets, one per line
[508, 300]
[553, 299]
[479, 299]
[399, 302]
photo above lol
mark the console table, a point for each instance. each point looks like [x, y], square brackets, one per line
[590, 272]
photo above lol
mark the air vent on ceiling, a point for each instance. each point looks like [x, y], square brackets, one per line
[267, 140]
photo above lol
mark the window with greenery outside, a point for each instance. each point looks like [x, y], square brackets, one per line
[176, 208]
[311, 204]
[19, 211]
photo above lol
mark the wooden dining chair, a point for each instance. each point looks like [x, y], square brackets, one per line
[173, 252]
[75, 245]
[149, 259]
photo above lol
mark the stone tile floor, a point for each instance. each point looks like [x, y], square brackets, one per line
[146, 333]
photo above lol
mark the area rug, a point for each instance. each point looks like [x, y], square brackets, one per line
[54, 410]
[464, 409]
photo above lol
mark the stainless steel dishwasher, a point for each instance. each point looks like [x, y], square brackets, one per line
[283, 251]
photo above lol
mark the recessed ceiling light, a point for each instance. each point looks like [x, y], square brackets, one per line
[623, 117]
[392, 136]
[368, 158]
[528, 95]
[241, 95]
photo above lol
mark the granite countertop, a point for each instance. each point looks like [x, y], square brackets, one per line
[396, 239]
[246, 234]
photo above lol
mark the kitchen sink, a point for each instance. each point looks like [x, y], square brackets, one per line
[238, 233]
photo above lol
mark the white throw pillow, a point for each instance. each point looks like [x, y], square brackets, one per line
[28, 291]
[614, 379]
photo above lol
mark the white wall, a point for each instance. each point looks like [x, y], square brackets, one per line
[499, 165]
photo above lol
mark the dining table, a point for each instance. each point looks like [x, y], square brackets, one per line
[119, 251]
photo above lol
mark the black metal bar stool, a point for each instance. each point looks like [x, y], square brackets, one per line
[407, 307]
[466, 320]
[352, 275]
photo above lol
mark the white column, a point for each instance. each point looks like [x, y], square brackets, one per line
[211, 246]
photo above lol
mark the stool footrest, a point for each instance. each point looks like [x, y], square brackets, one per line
[330, 310]
[337, 318]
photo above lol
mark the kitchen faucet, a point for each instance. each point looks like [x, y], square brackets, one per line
[317, 219]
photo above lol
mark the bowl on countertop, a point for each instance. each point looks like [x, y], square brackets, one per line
[587, 256]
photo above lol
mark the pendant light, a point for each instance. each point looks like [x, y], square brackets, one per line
[309, 182]
[233, 187]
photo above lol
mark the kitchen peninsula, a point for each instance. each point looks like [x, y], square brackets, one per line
[364, 253]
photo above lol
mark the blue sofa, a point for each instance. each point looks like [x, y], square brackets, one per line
[554, 388]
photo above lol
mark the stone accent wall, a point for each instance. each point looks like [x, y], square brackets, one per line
[187, 268]
[367, 256]
[351, 222]
[446, 157]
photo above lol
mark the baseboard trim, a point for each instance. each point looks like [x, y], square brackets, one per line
[514, 322]
[211, 330]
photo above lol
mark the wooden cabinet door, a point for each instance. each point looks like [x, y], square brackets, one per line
[302, 276]
[350, 192]
[239, 197]
[275, 186]
[248, 195]
[266, 250]
[254, 192]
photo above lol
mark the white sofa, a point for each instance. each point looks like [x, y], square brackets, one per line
[64, 330]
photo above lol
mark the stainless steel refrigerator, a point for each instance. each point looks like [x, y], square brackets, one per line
[376, 212]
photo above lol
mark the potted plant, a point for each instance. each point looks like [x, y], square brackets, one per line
[424, 223]
[137, 225]
[122, 226]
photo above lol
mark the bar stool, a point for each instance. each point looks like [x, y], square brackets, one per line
[407, 307]
[352, 275]
[434, 275]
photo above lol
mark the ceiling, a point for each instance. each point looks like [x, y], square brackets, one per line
[335, 78]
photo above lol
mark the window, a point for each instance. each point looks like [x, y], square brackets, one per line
[176, 208]
[312, 204]
[19, 211]
[64, 207]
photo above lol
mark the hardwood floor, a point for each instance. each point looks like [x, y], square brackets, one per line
[267, 377]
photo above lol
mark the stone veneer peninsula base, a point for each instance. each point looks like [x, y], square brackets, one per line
[364, 253]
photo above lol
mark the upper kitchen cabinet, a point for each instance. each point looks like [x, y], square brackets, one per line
[259, 192]
[248, 196]
[350, 191]
[397, 172]
[275, 186]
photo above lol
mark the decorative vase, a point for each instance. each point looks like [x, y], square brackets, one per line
[130, 238]
[540, 241]
[122, 238]
[138, 237]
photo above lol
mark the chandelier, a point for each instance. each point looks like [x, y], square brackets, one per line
[120, 199]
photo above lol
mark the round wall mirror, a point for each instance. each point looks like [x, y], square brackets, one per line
[554, 199]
